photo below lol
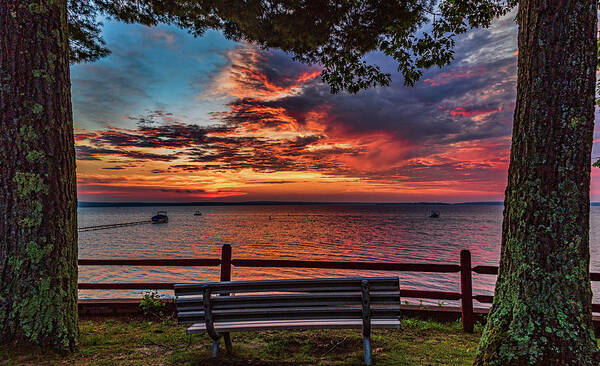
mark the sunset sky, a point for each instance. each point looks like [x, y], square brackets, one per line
[169, 117]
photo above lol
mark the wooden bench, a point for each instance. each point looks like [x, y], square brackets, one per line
[222, 307]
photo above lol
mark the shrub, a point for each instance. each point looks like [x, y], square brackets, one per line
[152, 305]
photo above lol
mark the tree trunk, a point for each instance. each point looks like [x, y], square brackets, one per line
[38, 201]
[542, 307]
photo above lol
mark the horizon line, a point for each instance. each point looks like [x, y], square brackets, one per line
[266, 202]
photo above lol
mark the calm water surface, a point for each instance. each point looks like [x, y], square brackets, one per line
[401, 233]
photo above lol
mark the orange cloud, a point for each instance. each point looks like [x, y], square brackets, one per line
[243, 78]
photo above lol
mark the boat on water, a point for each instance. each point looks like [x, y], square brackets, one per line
[160, 218]
[434, 215]
[197, 213]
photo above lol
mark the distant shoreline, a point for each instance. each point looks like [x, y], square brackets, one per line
[282, 203]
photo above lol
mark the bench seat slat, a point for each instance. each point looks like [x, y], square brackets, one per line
[287, 313]
[287, 310]
[281, 300]
[240, 326]
[243, 305]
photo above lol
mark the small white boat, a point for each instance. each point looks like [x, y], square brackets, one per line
[160, 218]
[197, 213]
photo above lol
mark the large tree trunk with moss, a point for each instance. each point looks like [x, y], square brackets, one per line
[542, 307]
[38, 202]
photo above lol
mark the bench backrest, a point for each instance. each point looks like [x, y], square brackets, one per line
[328, 298]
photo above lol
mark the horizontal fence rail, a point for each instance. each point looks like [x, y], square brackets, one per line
[226, 262]
[491, 270]
[112, 226]
[371, 266]
[172, 262]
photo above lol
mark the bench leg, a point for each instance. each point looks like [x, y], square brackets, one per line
[215, 348]
[228, 344]
[367, 341]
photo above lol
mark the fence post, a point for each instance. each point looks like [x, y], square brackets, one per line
[226, 276]
[466, 291]
[226, 262]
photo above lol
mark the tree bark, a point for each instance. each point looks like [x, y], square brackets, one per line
[542, 307]
[38, 201]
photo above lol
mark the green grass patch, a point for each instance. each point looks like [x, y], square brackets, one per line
[143, 342]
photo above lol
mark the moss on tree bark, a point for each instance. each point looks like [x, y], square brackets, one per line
[542, 307]
[38, 202]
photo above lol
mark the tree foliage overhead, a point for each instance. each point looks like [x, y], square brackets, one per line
[85, 32]
[337, 34]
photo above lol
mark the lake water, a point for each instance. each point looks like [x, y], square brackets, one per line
[395, 233]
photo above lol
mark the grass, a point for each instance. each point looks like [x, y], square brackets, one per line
[143, 342]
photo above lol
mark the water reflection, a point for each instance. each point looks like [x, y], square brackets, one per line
[321, 232]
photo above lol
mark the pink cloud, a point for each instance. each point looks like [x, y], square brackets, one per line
[467, 112]
[455, 74]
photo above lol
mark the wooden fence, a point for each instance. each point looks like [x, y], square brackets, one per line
[226, 261]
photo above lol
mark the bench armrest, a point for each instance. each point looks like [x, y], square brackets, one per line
[208, 316]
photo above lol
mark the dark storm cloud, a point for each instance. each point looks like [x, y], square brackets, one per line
[200, 145]
[191, 168]
[151, 118]
[171, 136]
[439, 109]
[102, 180]
[94, 153]
[186, 191]
[254, 114]
[119, 189]
[418, 114]
[272, 182]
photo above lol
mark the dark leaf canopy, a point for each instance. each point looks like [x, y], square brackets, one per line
[336, 34]
[85, 32]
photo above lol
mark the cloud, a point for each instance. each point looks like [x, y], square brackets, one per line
[183, 190]
[104, 192]
[472, 112]
[95, 153]
[261, 74]
[464, 72]
[150, 68]
[279, 126]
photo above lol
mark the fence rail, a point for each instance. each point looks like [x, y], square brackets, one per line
[226, 262]
[173, 262]
[112, 226]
